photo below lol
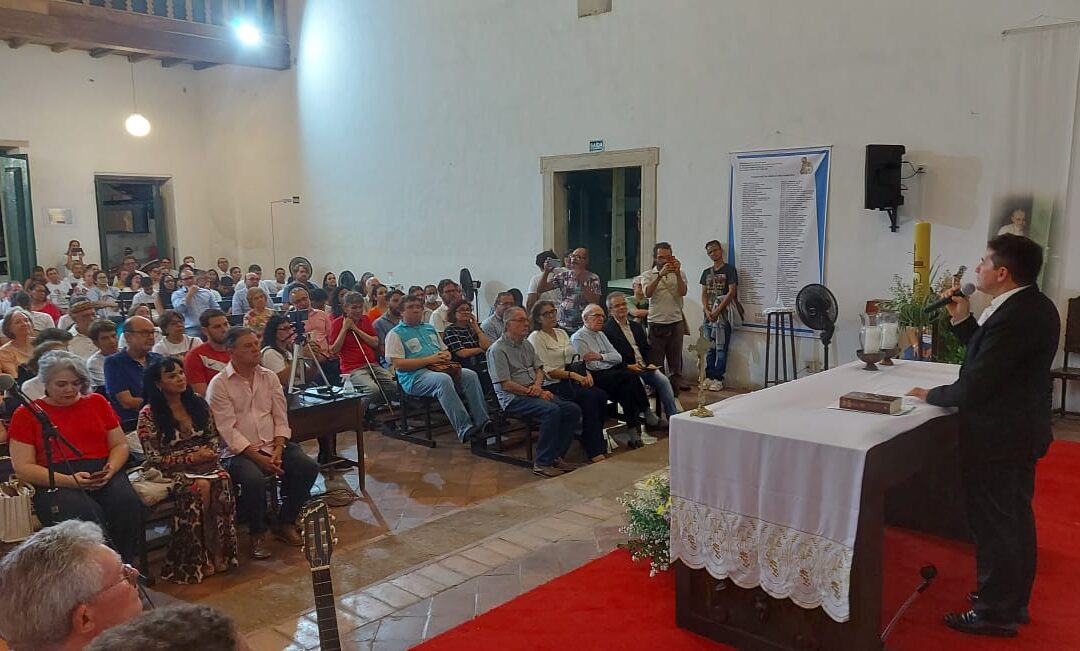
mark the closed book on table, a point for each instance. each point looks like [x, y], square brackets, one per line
[872, 402]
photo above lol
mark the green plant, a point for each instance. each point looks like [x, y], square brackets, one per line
[648, 522]
[910, 304]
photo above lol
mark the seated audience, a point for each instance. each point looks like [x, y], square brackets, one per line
[19, 332]
[179, 439]
[124, 370]
[235, 274]
[166, 287]
[226, 288]
[63, 587]
[206, 360]
[274, 286]
[57, 288]
[607, 366]
[466, 342]
[178, 627]
[390, 318]
[317, 328]
[174, 342]
[449, 291]
[146, 294]
[431, 301]
[241, 299]
[82, 314]
[104, 296]
[39, 300]
[319, 297]
[105, 339]
[142, 310]
[209, 281]
[87, 421]
[33, 388]
[39, 320]
[413, 347]
[628, 337]
[329, 282]
[301, 276]
[278, 336]
[223, 265]
[638, 304]
[250, 412]
[337, 301]
[6, 291]
[191, 301]
[258, 313]
[518, 375]
[493, 326]
[555, 353]
[377, 299]
[354, 341]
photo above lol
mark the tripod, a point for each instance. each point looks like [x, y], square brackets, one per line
[299, 345]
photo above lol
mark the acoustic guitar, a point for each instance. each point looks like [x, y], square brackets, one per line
[319, 544]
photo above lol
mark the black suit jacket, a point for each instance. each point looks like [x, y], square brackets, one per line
[1004, 389]
[618, 339]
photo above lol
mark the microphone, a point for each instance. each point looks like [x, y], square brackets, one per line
[8, 383]
[966, 290]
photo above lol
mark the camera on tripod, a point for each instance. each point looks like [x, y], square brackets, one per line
[296, 318]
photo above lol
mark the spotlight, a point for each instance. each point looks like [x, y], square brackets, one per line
[248, 34]
[137, 125]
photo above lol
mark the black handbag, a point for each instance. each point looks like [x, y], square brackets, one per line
[576, 365]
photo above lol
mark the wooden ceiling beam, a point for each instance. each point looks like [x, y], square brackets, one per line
[168, 62]
[60, 47]
[99, 52]
[135, 58]
[96, 29]
[202, 65]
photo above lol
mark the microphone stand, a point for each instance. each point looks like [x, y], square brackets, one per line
[49, 434]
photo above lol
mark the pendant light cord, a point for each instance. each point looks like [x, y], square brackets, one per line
[134, 105]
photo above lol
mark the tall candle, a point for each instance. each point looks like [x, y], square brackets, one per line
[890, 333]
[921, 262]
[871, 339]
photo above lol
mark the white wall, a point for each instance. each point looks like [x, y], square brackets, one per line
[71, 108]
[413, 129]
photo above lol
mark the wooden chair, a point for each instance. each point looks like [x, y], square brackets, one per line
[1068, 373]
[413, 407]
[495, 446]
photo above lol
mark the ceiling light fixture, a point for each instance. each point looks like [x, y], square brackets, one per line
[248, 34]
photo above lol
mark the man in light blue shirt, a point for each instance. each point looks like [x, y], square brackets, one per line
[411, 347]
[240, 303]
[190, 301]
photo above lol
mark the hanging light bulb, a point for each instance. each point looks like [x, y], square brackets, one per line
[136, 123]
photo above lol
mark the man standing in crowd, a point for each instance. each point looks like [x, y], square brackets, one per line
[533, 294]
[578, 286]
[518, 377]
[719, 287]
[412, 347]
[1004, 395]
[665, 286]
[208, 359]
[190, 301]
[249, 409]
[493, 326]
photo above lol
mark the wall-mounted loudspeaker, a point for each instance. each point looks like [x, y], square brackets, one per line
[883, 187]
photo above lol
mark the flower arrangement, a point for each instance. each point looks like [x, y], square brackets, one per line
[648, 521]
[910, 305]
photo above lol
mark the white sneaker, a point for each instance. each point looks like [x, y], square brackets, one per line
[651, 418]
[646, 438]
[717, 385]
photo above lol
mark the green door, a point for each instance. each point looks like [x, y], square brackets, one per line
[17, 251]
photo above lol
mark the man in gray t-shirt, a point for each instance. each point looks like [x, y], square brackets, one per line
[385, 323]
[518, 377]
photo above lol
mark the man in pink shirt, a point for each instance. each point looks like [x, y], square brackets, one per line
[251, 414]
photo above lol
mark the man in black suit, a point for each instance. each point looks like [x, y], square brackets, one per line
[1004, 400]
[628, 337]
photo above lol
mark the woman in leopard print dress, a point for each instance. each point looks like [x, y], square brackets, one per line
[179, 437]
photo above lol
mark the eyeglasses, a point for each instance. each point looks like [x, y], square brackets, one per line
[594, 316]
[615, 306]
[549, 313]
[506, 304]
[141, 332]
[128, 574]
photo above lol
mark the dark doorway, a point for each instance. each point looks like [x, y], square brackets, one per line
[602, 213]
[131, 219]
[17, 250]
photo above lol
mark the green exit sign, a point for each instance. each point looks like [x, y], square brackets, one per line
[596, 145]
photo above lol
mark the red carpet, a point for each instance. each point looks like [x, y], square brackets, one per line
[611, 603]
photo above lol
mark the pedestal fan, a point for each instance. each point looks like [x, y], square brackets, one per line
[817, 310]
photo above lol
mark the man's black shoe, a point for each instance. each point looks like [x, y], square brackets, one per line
[1023, 618]
[975, 624]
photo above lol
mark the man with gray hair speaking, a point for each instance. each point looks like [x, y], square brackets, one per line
[63, 587]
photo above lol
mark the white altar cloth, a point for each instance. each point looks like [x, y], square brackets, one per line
[766, 492]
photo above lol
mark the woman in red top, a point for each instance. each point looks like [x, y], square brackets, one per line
[90, 485]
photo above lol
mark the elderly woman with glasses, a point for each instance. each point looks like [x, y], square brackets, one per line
[90, 482]
[568, 380]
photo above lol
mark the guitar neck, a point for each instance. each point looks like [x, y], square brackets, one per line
[325, 612]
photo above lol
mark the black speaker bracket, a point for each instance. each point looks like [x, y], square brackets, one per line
[893, 226]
